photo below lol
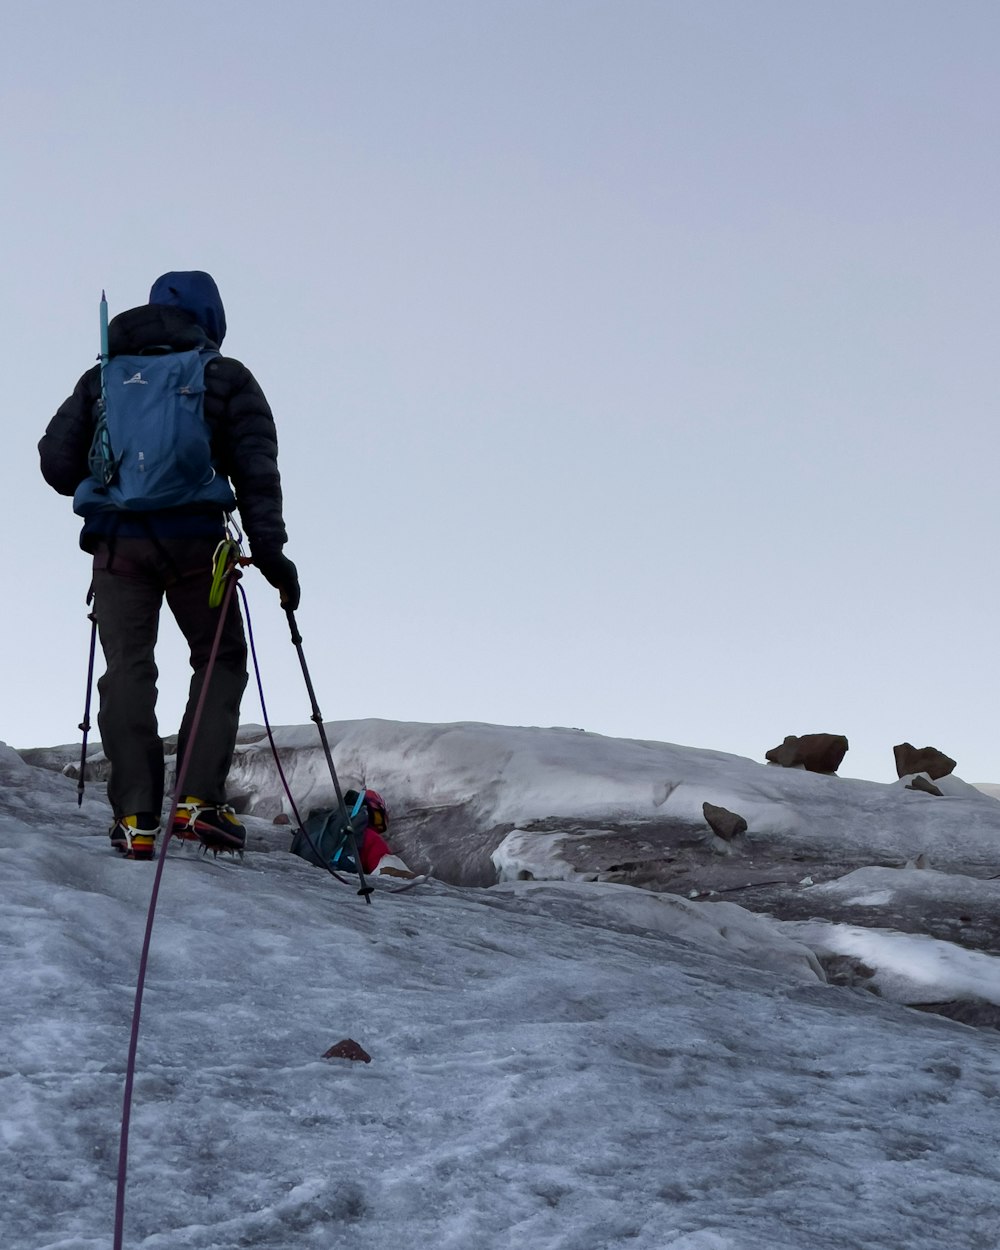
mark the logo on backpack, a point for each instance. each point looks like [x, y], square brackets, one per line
[152, 446]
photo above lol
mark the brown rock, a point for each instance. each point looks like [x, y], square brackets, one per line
[926, 787]
[929, 760]
[348, 1049]
[282, 818]
[817, 753]
[724, 823]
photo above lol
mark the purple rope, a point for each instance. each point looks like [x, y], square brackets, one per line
[144, 958]
[263, 712]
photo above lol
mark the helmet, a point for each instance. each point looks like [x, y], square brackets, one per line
[378, 813]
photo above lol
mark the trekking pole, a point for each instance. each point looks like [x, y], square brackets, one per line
[92, 617]
[317, 717]
[85, 723]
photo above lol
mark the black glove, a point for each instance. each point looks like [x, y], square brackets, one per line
[282, 574]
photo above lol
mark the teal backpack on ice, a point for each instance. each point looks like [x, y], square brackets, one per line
[152, 447]
[325, 840]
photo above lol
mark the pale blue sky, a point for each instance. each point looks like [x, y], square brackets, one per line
[633, 363]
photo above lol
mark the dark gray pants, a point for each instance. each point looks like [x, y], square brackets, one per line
[130, 582]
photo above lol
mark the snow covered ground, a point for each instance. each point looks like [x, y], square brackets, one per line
[555, 1065]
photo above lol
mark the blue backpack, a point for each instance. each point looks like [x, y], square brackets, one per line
[152, 448]
[325, 839]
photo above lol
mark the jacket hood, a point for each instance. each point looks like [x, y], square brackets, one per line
[197, 294]
[152, 326]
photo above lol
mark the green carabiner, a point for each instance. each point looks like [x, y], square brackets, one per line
[222, 564]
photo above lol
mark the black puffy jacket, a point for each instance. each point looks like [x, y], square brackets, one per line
[243, 437]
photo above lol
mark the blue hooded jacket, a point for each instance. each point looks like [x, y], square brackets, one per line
[197, 294]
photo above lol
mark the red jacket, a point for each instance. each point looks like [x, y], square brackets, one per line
[373, 847]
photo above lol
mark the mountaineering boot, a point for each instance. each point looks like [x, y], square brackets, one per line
[135, 836]
[214, 825]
